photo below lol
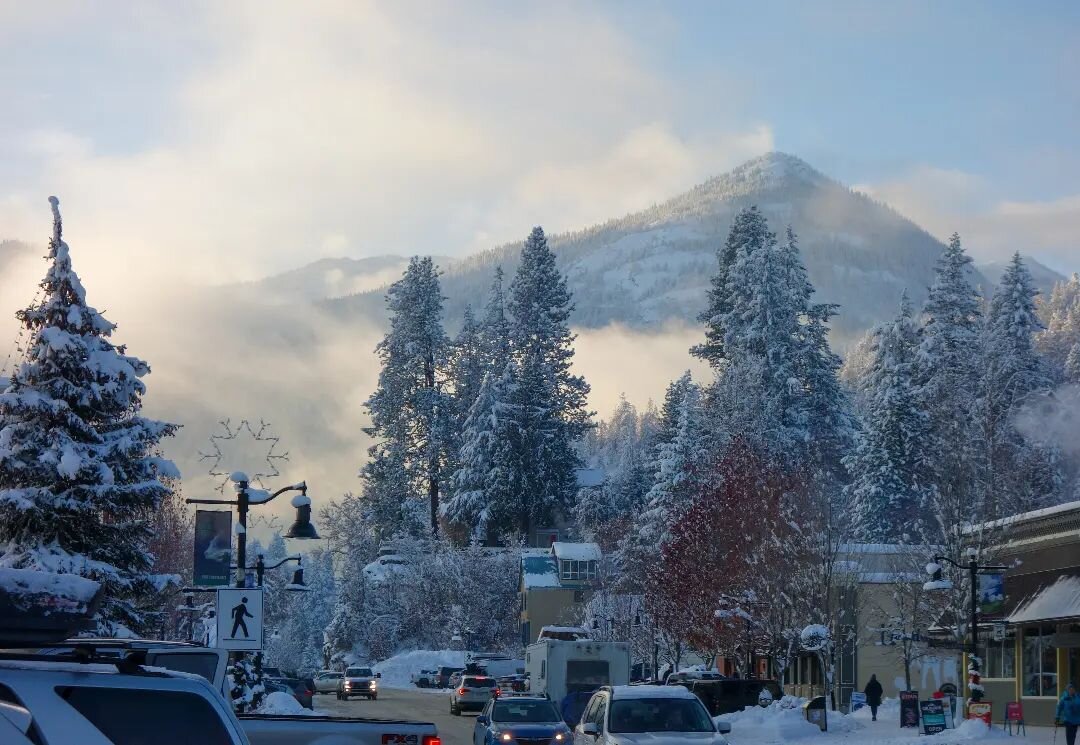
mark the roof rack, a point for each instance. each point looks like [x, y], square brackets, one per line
[130, 663]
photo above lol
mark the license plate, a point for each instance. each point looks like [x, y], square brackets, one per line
[401, 740]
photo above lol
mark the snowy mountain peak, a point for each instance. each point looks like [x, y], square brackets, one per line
[771, 173]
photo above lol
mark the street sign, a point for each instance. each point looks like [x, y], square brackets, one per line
[240, 619]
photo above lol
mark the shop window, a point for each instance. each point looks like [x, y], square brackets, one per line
[999, 658]
[1040, 662]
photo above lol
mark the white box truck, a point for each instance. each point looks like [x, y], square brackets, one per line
[557, 667]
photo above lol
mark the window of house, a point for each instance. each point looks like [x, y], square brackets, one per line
[999, 658]
[1040, 662]
[575, 571]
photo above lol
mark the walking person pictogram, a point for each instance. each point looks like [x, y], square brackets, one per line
[239, 613]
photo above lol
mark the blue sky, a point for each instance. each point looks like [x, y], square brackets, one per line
[253, 137]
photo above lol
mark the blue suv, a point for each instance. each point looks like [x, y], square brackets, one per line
[520, 720]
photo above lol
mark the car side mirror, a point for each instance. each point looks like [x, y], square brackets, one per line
[378, 675]
[483, 721]
[724, 728]
[590, 729]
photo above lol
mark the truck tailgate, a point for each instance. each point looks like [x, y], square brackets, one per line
[271, 729]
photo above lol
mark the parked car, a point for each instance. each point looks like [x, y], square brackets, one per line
[424, 678]
[472, 694]
[511, 683]
[358, 681]
[729, 696]
[662, 715]
[442, 678]
[299, 689]
[519, 719]
[327, 681]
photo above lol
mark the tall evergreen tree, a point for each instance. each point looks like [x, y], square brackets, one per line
[1017, 474]
[79, 480]
[477, 475]
[467, 365]
[948, 381]
[890, 465]
[748, 231]
[548, 402]
[495, 329]
[410, 409]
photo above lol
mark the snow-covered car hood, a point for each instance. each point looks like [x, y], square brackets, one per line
[667, 738]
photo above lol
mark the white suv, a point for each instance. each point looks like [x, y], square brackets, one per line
[658, 715]
[471, 694]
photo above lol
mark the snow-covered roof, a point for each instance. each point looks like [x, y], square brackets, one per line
[1025, 516]
[539, 571]
[576, 551]
[636, 692]
[1059, 600]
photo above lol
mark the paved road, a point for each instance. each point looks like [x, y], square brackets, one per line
[427, 706]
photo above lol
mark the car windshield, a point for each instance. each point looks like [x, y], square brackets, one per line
[324, 676]
[659, 715]
[358, 672]
[478, 682]
[512, 711]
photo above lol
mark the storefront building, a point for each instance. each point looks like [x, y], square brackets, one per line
[1031, 648]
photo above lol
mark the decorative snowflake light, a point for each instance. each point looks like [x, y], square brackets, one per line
[228, 446]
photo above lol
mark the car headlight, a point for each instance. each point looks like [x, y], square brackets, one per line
[506, 737]
[559, 737]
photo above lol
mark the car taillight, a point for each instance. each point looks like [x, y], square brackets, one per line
[461, 691]
[432, 740]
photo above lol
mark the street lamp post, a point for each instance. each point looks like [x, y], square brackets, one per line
[245, 499]
[937, 582]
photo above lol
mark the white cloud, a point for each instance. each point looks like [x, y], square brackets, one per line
[372, 128]
[992, 227]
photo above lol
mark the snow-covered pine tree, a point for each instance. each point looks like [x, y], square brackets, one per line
[889, 465]
[467, 366]
[748, 231]
[481, 438]
[828, 420]
[495, 329]
[79, 478]
[948, 379]
[540, 306]
[1018, 475]
[410, 410]
[681, 463]
[1060, 314]
[765, 346]
[618, 450]
[548, 403]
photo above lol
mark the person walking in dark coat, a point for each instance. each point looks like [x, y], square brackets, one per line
[873, 693]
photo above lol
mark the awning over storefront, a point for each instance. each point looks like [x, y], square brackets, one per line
[1057, 600]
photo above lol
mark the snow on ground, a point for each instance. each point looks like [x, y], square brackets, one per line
[282, 703]
[777, 724]
[396, 671]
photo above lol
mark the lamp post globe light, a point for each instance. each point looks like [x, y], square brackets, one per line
[938, 582]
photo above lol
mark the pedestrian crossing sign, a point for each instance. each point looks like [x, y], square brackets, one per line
[240, 619]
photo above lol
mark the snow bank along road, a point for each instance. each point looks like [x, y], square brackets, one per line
[395, 703]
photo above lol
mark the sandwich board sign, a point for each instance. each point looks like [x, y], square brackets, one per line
[240, 619]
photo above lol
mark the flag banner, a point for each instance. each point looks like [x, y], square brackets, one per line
[213, 548]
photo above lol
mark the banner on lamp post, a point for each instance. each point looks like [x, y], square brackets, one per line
[991, 592]
[213, 548]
